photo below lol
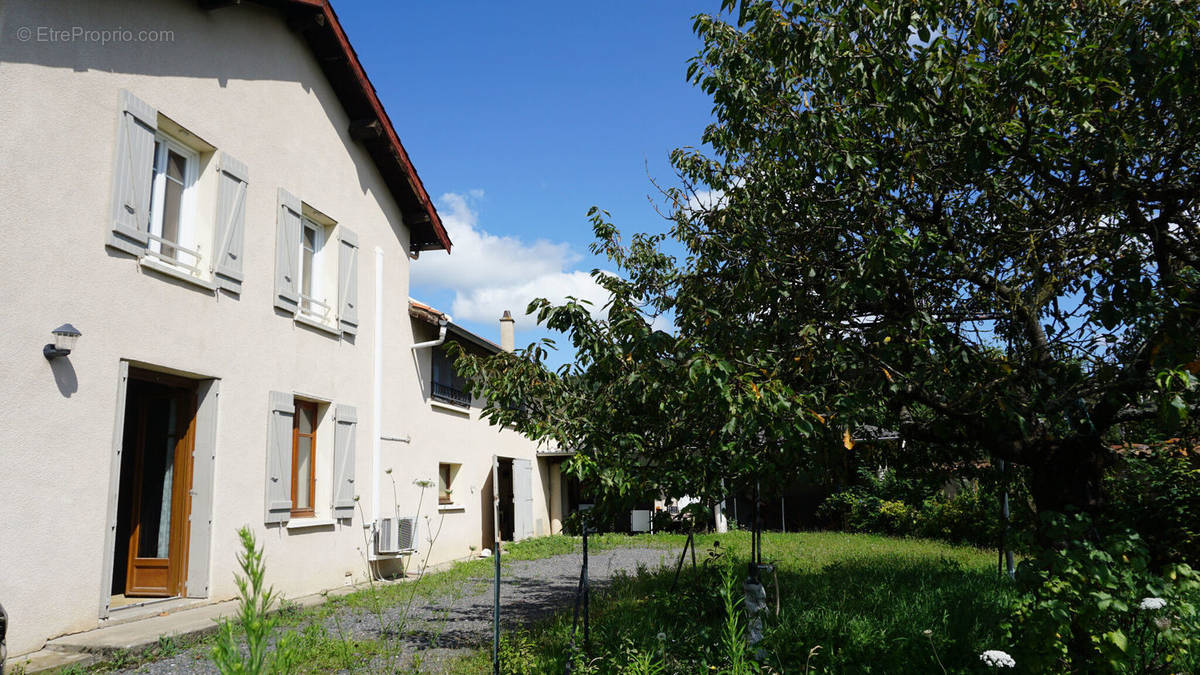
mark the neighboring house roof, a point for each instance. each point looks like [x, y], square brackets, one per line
[316, 22]
[1172, 446]
[423, 312]
[870, 432]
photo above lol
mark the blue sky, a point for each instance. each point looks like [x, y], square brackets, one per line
[520, 116]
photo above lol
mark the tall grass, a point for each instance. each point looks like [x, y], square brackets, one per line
[864, 600]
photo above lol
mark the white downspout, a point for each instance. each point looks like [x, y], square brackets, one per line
[377, 403]
[440, 338]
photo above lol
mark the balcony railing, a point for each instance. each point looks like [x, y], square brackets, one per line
[315, 309]
[172, 253]
[448, 394]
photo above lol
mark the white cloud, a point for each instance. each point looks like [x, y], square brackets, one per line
[490, 273]
[702, 200]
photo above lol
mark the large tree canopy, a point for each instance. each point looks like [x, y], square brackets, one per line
[975, 223]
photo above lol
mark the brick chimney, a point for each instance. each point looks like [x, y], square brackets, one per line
[507, 331]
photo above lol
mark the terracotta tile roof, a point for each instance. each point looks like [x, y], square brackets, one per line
[1174, 446]
[317, 24]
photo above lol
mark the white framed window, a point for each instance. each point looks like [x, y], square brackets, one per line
[316, 268]
[314, 293]
[172, 225]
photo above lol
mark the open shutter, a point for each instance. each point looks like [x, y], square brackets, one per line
[348, 281]
[279, 458]
[132, 175]
[496, 503]
[344, 439]
[287, 253]
[231, 223]
[522, 499]
[203, 466]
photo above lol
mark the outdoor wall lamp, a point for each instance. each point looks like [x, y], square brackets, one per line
[64, 341]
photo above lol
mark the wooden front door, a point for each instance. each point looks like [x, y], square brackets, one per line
[160, 429]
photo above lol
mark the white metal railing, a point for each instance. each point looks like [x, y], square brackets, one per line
[173, 259]
[307, 302]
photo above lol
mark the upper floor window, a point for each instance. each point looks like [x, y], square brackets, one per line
[447, 385]
[316, 267]
[312, 284]
[160, 172]
[172, 230]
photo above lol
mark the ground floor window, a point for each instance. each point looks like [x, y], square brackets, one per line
[446, 475]
[304, 443]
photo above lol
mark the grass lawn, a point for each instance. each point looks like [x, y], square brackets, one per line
[864, 600]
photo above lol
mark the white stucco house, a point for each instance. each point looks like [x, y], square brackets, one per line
[216, 199]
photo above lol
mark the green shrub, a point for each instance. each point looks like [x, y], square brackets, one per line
[1158, 495]
[255, 621]
[1082, 607]
[896, 517]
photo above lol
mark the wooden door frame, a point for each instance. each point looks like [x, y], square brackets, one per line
[181, 485]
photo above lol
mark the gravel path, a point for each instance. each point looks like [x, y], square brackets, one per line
[461, 619]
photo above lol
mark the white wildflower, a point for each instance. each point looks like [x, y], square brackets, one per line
[1152, 603]
[997, 659]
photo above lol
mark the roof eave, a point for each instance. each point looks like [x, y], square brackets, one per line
[317, 23]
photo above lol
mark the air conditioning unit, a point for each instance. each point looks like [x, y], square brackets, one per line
[396, 535]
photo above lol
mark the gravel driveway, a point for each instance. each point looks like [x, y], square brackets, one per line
[461, 620]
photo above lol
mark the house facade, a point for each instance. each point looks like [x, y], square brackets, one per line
[228, 218]
[488, 479]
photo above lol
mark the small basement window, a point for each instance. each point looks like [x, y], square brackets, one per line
[446, 475]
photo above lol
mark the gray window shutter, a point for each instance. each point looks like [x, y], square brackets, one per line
[132, 175]
[287, 253]
[522, 471]
[279, 457]
[345, 426]
[231, 223]
[348, 281]
[203, 464]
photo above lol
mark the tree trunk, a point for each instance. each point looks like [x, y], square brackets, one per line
[1068, 474]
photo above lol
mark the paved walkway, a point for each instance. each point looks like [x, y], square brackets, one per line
[530, 590]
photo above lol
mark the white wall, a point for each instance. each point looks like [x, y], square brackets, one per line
[239, 79]
[446, 434]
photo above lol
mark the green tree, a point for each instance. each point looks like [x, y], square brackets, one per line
[974, 223]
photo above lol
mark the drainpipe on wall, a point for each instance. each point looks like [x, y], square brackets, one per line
[442, 323]
[377, 394]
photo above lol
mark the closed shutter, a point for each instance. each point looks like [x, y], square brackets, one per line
[287, 253]
[279, 457]
[348, 281]
[344, 440]
[522, 499]
[132, 175]
[231, 223]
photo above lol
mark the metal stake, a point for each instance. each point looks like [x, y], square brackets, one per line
[586, 591]
[496, 610]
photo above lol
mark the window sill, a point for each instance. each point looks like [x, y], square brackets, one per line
[443, 508]
[309, 523]
[154, 265]
[319, 325]
[434, 403]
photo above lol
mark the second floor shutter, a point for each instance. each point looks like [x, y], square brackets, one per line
[231, 223]
[348, 281]
[287, 253]
[132, 175]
